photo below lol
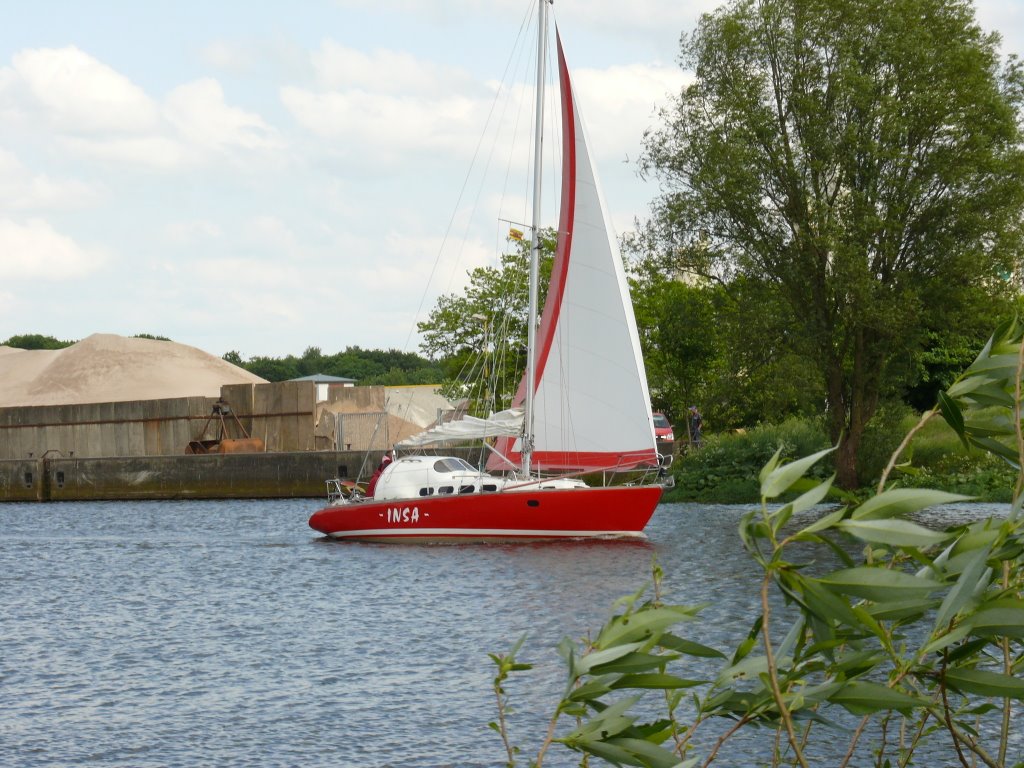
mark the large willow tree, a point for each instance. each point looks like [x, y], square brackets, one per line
[863, 158]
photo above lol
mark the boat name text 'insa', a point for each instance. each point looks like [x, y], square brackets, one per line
[403, 515]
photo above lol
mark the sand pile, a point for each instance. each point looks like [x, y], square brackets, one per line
[105, 368]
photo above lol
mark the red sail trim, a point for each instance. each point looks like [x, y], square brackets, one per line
[584, 461]
[591, 461]
[560, 268]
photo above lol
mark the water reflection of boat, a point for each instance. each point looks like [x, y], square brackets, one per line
[582, 406]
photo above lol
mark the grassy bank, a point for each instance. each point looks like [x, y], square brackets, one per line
[725, 470]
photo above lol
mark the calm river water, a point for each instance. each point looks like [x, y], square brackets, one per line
[230, 634]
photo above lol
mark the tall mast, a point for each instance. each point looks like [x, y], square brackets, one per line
[531, 328]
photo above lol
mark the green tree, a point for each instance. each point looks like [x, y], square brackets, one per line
[680, 335]
[481, 333]
[718, 345]
[272, 368]
[861, 156]
[35, 341]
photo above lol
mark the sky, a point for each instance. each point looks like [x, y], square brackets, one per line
[262, 176]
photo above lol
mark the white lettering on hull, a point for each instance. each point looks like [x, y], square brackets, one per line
[403, 514]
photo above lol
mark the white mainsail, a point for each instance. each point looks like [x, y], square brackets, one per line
[591, 402]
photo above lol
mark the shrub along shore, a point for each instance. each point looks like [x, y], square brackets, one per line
[725, 470]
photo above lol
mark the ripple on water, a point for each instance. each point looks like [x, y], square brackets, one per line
[228, 633]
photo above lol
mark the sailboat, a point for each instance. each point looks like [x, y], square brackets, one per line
[583, 404]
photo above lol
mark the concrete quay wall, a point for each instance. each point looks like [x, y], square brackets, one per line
[281, 414]
[294, 474]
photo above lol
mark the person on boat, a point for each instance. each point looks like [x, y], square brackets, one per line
[377, 473]
[696, 425]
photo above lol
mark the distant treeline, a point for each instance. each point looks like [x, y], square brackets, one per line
[366, 366]
[38, 341]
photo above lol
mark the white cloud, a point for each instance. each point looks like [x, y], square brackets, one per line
[96, 112]
[202, 117]
[82, 95]
[229, 58]
[621, 102]
[338, 67]
[22, 190]
[153, 151]
[270, 232]
[388, 104]
[386, 124]
[35, 251]
[190, 232]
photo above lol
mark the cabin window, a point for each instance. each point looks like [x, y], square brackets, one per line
[533, 503]
[60, 479]
[489, 488]
[426, 491]
[445, 489]
[467, 488]
[28, 479]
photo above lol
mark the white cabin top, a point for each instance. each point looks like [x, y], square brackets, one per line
[412, 476]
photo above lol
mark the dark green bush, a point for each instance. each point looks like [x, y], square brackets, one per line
[725, 469]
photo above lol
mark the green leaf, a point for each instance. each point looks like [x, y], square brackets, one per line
[962, 592]
[654, 680]
[611, 720]
[641, 625]
[814, 496]
[781, 517]
[633, 662]
[903, 609]
[824, 522]
[952, 414]
[879, 584]
[996, 448]
[1000, 618]
[855, 663]
[970, 384]
[990, 394]
[864, 698]
[780, 478]
[628, 751]
[689, 647]
[1001, 367]
[903, 501]
[650, 755]
[609, 752]
[965, 650]
[750, 668]
[946, 639]
[583, 664]
[590, 690]
[824, 604]
[985, 683]
[768, 468]
[893, 533]
[977, 536]
[989, 425]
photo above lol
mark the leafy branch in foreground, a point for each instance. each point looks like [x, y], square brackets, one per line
[918, 634]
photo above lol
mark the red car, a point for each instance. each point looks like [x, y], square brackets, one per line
[662, 429]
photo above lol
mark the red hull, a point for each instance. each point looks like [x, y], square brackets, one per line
[507, 516]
